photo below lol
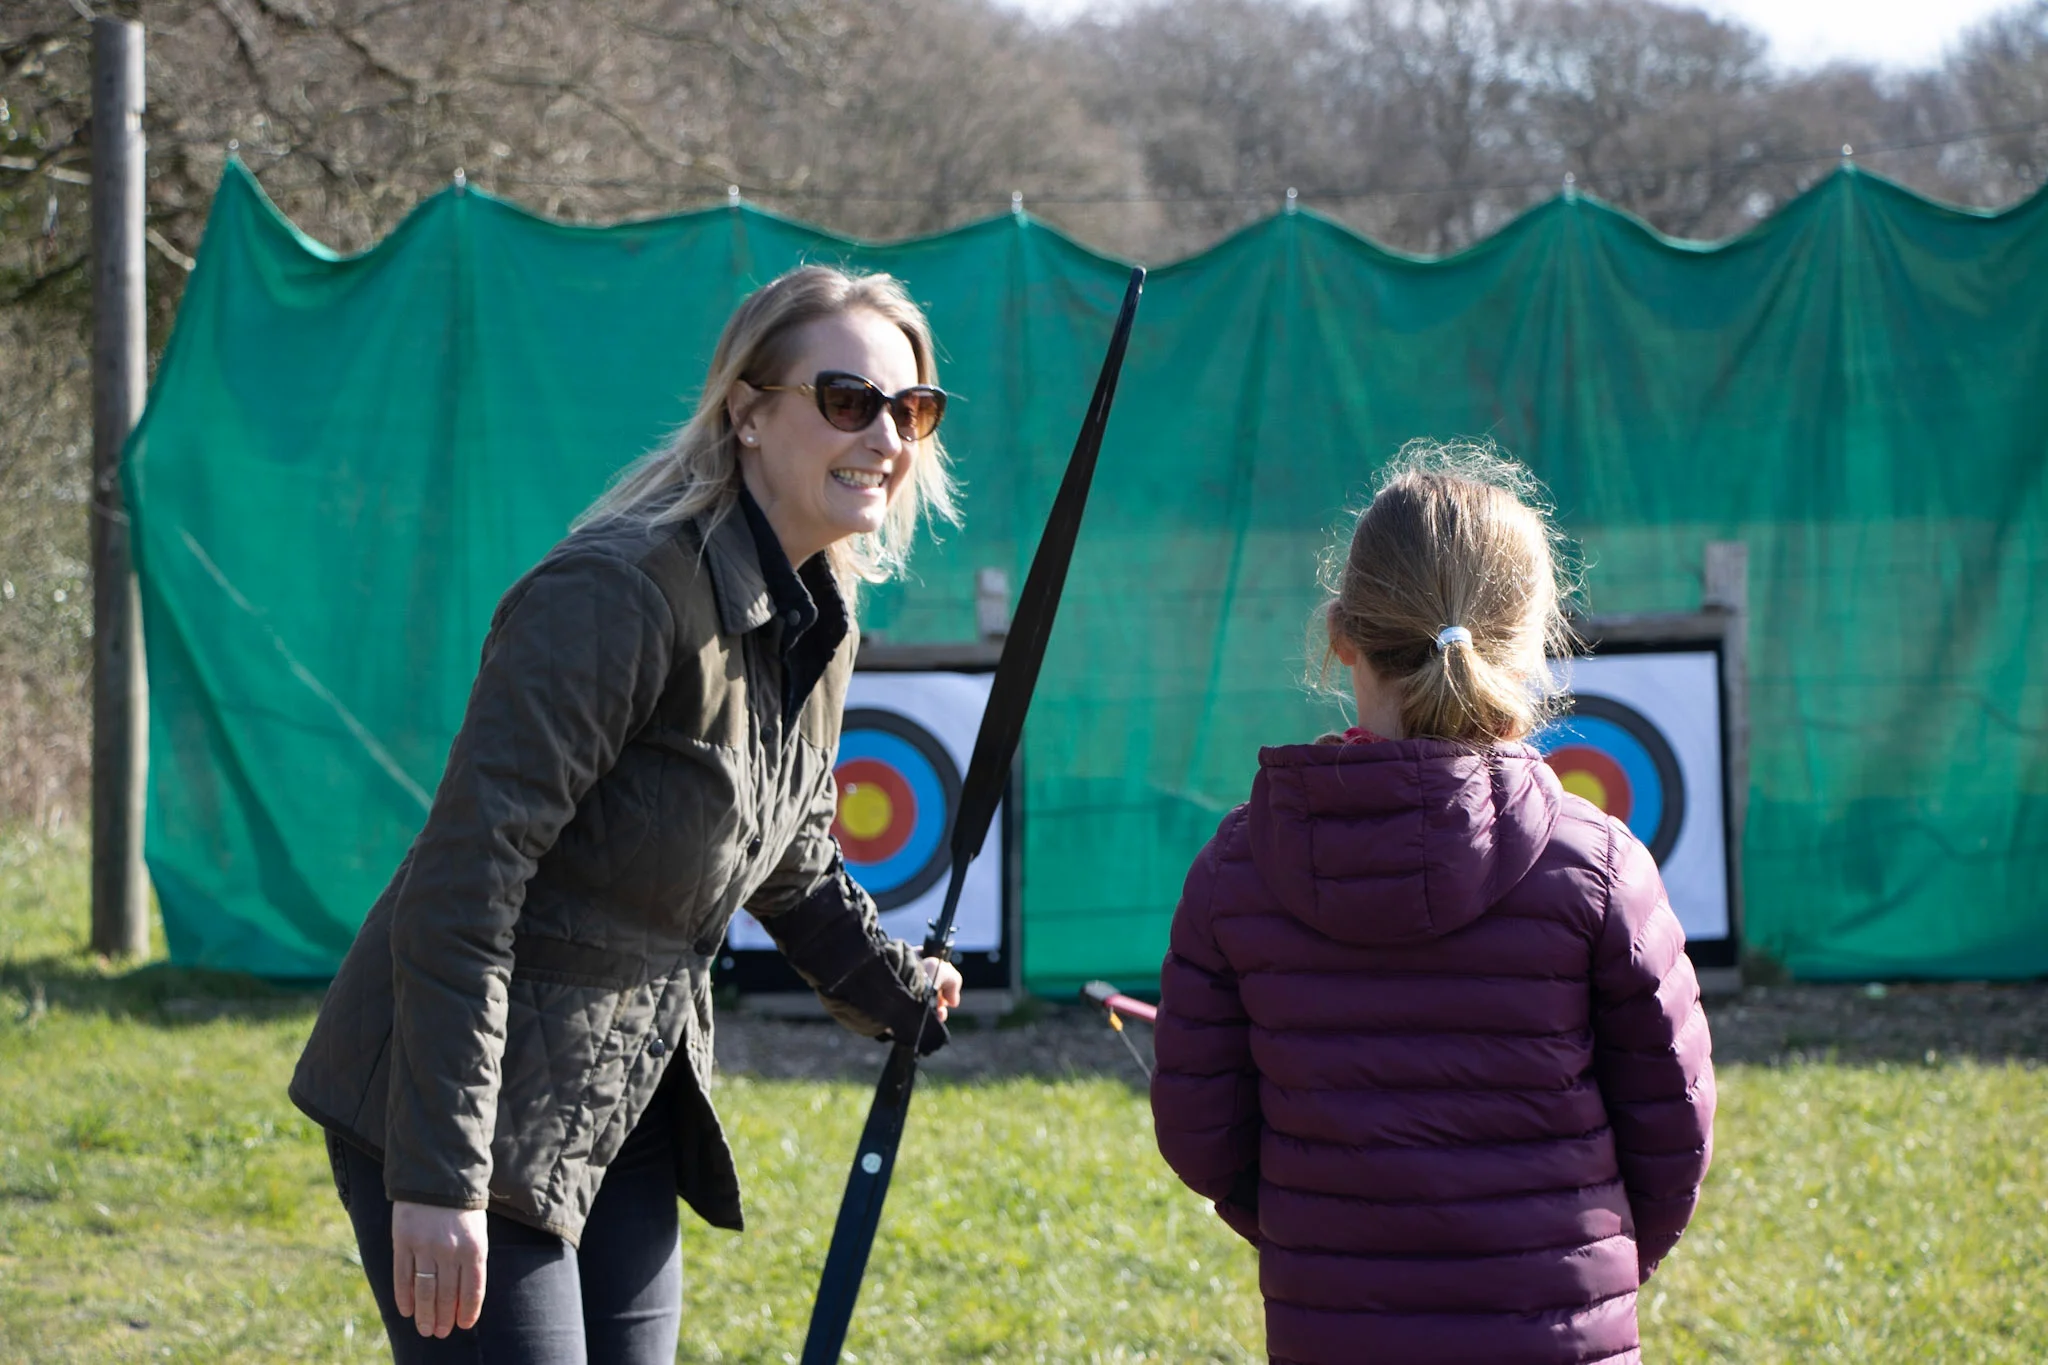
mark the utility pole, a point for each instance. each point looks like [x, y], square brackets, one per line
[120, 379]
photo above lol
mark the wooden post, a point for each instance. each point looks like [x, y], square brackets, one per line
[1724, 587]
[120, 377]
[992, 603]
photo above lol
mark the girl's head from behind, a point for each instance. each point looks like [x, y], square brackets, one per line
[1449, 599]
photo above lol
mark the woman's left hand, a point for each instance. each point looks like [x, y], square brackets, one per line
[945, 979]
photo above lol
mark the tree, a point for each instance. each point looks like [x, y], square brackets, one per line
[1151, 130]
[1998, 79]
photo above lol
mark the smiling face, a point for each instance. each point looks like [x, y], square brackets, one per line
[818, 484]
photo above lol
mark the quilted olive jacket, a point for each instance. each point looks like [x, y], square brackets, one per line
[623, 780]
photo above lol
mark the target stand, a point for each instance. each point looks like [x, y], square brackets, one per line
[912, 712]
[1656, 737]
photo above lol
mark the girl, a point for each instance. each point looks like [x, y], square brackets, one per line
[1427, 1034]
[513, 1065]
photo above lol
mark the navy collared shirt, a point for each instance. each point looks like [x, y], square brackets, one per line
[812, 614]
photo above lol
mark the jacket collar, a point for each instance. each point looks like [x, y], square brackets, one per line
[746, 589]
[737, 581]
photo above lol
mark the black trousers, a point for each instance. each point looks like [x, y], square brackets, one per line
[617, 1299]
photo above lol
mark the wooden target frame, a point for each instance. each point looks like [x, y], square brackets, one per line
[1721, 628]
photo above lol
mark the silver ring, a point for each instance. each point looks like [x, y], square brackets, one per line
[423, 1275]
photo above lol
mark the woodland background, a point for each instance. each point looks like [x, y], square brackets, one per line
[1148, 129]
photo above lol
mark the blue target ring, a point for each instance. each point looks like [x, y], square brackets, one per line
[1655, 796]
[914, 757]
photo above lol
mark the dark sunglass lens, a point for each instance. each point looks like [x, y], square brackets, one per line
[918, 413]
[848, 404]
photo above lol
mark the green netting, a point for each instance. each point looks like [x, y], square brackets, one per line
[345, 461]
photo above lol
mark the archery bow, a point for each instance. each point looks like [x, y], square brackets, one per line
[1002, 724]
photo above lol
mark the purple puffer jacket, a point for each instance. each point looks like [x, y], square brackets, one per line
[1429, 1037]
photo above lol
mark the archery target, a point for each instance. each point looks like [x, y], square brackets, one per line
[903, 748]
[898, 789]
[1643, 742]
[1610, 753]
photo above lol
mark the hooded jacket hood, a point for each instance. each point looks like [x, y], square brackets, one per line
[1398, 840]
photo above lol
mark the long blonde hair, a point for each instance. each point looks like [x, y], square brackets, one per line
[1456, 536]
[698, 469]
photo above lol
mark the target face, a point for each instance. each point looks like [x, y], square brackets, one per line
[906, 738]
[898, 790]
[1613, 756]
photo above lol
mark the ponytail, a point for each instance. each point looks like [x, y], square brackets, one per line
[1450, 590]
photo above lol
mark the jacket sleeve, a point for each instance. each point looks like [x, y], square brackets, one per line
[830, 931]
[1652, 1052]
[575, 662]
[1205, 1090]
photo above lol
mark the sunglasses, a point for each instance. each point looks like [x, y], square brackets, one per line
[851, 403]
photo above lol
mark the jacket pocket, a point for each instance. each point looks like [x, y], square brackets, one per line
[610, 830]
[610, 1082]
[559, 961]
[706, 823]
[653, 1036]
[664, 833]
[558, 1025]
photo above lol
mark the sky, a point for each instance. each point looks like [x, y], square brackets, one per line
[1899, 33]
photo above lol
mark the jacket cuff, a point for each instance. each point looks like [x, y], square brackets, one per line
[875, 995]
[438, 1199]
[868, 982]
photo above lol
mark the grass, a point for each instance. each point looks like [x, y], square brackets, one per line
[160, 1200]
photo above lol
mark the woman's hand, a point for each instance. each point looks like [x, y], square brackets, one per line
[437, 1265]
[945, 978]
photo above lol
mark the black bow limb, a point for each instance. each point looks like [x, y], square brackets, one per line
[1002, 725]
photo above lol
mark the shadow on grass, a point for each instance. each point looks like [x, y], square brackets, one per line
[157, 992]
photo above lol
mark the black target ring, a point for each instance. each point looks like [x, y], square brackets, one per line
[870, 735]
[1663, 762]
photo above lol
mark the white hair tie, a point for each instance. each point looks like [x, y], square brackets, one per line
[1453, 635]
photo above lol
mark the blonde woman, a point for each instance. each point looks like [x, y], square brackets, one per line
[512, 1064]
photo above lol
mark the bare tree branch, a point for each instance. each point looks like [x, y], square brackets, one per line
[41, 283]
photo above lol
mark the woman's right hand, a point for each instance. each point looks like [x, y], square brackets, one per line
[437, 1265]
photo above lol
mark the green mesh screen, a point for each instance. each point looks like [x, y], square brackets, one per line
[345, 461]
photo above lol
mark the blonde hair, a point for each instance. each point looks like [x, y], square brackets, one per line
[698, 469]
[1456, 536]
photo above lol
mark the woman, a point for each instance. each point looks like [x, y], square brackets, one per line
[512, 1065]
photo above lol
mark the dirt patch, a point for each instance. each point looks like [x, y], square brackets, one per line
[1909, 1023]
[1059, 1043]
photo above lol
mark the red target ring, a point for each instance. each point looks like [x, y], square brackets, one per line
[877, 810]
[1588, 772]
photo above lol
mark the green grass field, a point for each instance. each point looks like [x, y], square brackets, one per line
[160, 1200]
